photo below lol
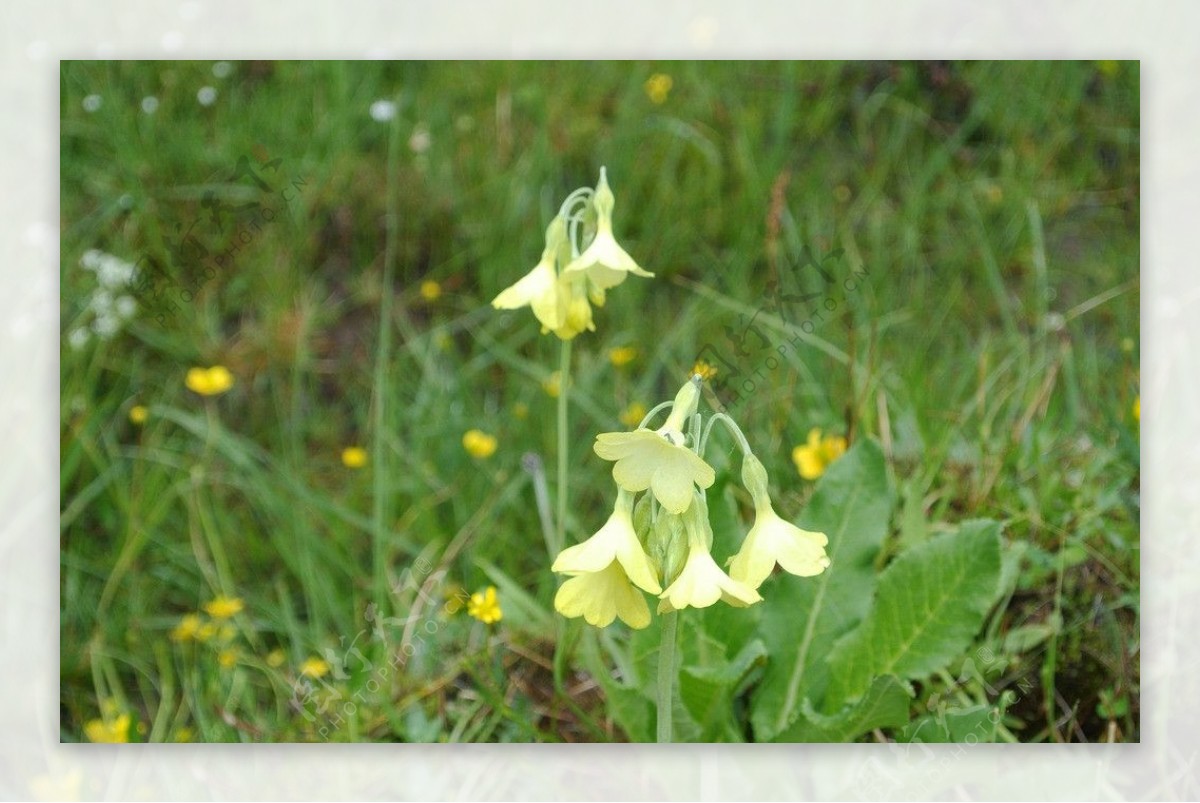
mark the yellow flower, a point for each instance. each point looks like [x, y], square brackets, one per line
[600, 597]
[138, 414]
[1137, 409]
[184, 734]
[109, 730]
[704, 370]
[275, 658]
[206, 631]
[227, 659]
[658, 460]
[622, 355]
[701, 582]
[604, 262]
[540, 289]
[657, 87]
[187, 629]
[479, 444]
[814, 457]
[553, 384]
[314, 667]
[354, 457]
[772, 540]
[430, 290]
[615, 541]
[223, 607]
[632, 415]
[485, 606]
[209, 381]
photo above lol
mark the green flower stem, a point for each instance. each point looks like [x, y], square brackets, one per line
[380, 514]
[666, 675]
[564, 385]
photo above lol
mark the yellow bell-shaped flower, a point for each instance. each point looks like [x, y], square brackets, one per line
[604, 261]
[658, 460]
[701, 582]
[772, 540]
[600, 597]
[616, 540]
[541, 288]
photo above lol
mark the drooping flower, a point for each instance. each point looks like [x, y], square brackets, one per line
[485, 606]
[223, 607]
[479, 444]
[659, 460]
[540, 289]
[773, 540]
[354, 457]
[615, 541]
[209, 381]
[701, 582]
[604, 262]
[600, 597]
[814, 457]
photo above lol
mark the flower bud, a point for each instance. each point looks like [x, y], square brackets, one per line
[667, 546]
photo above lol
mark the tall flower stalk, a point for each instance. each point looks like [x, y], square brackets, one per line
[658, 539]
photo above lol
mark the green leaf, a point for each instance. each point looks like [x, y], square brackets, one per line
[931, 602]
[707, 692]
[801, 617]
[885, 705]
[976, 723]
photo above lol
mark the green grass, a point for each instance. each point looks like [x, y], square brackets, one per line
[992, 348]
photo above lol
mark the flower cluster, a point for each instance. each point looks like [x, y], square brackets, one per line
[568, 279]
[109, 306]
[661, 542]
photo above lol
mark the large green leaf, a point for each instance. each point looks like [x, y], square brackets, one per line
[885, 705]
[802, 617]
[931, 602]
[707, 692]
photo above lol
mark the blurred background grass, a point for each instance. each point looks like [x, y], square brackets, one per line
[992, 348]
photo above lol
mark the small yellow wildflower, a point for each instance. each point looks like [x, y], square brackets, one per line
[704, 370]
[275, 658]
[314, 667]
[354, 457]
[814, 457]
[485, 606]
[657, 87]
[632, 415]
[187, 629]
[553, 384]
[622, 355]
[184, 734]
[430, 290]
[138, 414]
[209, 381]
[227, 659]
[206, 631]
[223, 607]
[109, 730]
[479, 444]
